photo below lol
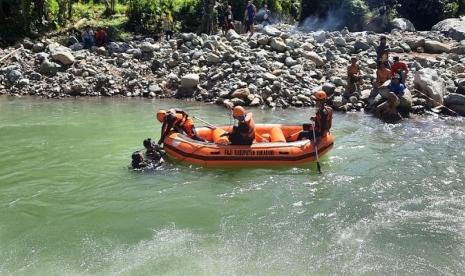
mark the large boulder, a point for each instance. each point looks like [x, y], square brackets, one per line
[454, 27]
[428, 82]
[459, 50]
[460, 86]
[190, 80]
[436, 47]
[402, 24]
[454, 99]
[278, 45]
[64, 57]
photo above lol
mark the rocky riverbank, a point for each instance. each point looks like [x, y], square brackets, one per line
[279, 66]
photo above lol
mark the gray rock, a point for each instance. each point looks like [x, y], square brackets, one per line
[278, 45]
[269, 76]
[329, 88]
[64, 57]
[315, 58]
[338, 101]
[23, 82]
[35, 76]
[319, 36]
[187, 36]
[291, 62]
[428, 81]
[402, 24]
[454, 27]
[38, 47]
[190, 80]
[49, 68]
[76, 46]
[14, 75]
[148, 47]
[460, 86]
[361, 45]
[232, 35]
[454, 99]
[263, 40]
[271, 31]
[154, 88]
[241, 93]
[435, 47]
[213, 59]
[459, 50]
[339, 41]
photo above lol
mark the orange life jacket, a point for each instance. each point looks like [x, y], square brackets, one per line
[244, 133]
[324, 119]
[183, 122]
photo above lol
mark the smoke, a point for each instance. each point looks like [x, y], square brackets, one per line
[273, 18]
[332, 21]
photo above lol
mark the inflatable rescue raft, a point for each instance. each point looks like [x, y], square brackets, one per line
[275, 145]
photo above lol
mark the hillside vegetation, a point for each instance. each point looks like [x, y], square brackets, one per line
[35, 17]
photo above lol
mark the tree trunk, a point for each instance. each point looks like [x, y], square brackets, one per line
[40, 10]
[208, 19]
[70, 9]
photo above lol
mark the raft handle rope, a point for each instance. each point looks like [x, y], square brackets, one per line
[436, 102]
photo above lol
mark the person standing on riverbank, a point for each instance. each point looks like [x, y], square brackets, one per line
[229, 19]
[168, 25]
[266, 15]
[382, 52]
[87, 37]
[354, 77]
[249, 16]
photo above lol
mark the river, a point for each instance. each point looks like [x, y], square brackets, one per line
[391, 198]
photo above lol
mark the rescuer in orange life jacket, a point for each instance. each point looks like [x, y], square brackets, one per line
[243, 132]
[178, 120]
[322, 119]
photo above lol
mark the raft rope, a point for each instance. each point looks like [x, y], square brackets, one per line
[436, 102]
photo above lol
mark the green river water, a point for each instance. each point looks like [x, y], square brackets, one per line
[391, 199]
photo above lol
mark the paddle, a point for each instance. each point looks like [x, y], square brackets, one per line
[316, 150]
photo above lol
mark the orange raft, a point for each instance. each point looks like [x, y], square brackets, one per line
[275, 145]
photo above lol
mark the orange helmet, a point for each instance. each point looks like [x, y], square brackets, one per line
[161, 114]
[319, 95]
[238, 111]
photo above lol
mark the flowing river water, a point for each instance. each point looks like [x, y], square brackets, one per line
[391, 198]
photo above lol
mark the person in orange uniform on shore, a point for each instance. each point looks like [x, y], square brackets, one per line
[243, 132]
[322, 121]
[178, 120]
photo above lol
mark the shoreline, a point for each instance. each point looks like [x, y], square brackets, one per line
[277, 67]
